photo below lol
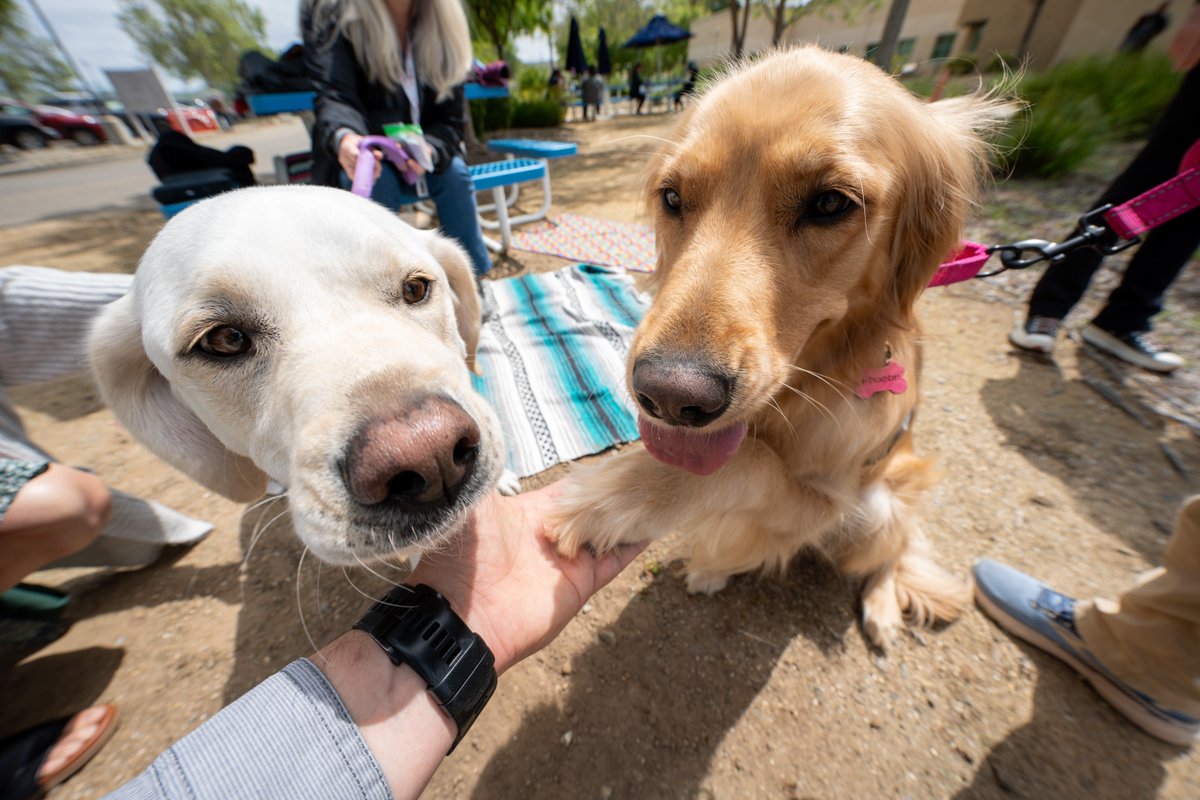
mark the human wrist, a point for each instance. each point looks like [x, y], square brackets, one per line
[398, 718]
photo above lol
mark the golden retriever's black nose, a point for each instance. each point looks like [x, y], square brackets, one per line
[680, 392]
[417, 460]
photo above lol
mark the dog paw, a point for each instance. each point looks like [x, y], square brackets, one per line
[881, 631]
[705, 582]
[509, 484]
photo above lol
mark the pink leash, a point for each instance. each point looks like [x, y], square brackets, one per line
[1128, 220]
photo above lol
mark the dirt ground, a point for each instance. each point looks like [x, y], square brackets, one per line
[765, 690]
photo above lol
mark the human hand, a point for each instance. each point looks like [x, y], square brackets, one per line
[1185, 47]
[348, 155]
[508, 581]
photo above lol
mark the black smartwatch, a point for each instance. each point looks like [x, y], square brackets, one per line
[416, 626]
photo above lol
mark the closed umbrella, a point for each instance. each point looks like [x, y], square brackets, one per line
[576, 60]
[658, 31]
[603, 61]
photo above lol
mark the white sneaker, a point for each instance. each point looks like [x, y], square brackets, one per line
[1037, 334]
[1133, 348]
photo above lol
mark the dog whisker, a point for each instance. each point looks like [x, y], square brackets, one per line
[356, 587]
[259, 533]
[300, 603]
[824, 409]
[368, 568]
[832, 382]
[773, 403]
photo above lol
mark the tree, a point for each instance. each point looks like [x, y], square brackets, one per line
[29, 64]
[739, 26]
[195, 38]
[500, 20]
[785, 13]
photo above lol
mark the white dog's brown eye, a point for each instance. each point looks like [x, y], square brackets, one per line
[827, 206]
[225, 341]
[415, 290]
[672, 200]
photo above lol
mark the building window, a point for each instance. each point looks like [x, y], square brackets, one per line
[904, 49]
[943, 45]
[975, 34]
[872, 49]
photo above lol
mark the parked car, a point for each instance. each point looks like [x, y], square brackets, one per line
[86, 105]
[199, 120]
[82, 128]
[23, 131]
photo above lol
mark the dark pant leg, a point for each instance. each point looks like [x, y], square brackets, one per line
[1140, 295]
[1150, 273]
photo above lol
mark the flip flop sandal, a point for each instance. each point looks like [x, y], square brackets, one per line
[23, 754]
[31, 601]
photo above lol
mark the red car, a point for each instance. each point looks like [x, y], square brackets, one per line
[200, 120]
[81, 128]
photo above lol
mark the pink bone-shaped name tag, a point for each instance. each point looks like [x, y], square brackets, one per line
[888, 378]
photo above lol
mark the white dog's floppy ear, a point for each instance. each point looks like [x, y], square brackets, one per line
[466, 296]
[142, 400]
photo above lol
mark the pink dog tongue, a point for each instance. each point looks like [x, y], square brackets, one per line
[696, 451]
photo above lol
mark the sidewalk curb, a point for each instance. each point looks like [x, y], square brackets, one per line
[38, 162]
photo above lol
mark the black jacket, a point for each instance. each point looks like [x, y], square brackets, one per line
[346, 98]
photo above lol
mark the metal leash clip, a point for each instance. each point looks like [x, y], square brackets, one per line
[1089, 232]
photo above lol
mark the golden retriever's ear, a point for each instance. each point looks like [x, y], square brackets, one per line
[466, 296]
[142, 400]
[942, 168]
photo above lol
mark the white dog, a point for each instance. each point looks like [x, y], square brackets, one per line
[307, 335]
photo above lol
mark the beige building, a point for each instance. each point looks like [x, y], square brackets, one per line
[937, 29]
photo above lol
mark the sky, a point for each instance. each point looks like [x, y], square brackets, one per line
[89, 30]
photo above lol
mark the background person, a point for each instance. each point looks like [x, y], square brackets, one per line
[1120, 327]
[637, 89]
[1141, 653]
[374, 63]
[592, 93]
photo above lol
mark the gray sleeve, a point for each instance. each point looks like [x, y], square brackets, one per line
[289, 737]
[45, 317]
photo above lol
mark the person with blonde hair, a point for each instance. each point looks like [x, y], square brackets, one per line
[378, 62]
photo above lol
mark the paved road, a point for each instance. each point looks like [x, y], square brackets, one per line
[125, 180]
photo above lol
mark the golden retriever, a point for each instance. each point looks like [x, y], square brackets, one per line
[802, 204]
[308, 335]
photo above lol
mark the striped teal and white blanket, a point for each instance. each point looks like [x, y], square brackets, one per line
[552, 352]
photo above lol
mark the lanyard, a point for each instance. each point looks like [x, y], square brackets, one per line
[408, 80]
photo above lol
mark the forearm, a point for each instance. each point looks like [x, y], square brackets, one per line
[287, 735]
[399, 720]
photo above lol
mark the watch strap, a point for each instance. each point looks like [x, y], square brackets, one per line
[416, 626]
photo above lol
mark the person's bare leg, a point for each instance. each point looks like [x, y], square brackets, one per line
[55, 514]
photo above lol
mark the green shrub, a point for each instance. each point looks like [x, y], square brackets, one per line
[1060, 134]
[492, 114]
[531, 83]
[965, 64]
[1131, 89]
[1082, 104]
[537, 114]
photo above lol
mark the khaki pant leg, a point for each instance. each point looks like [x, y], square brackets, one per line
[1150, 637]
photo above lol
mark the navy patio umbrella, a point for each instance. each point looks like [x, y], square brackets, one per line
[603, 60]
[658, 31]
[576, 60]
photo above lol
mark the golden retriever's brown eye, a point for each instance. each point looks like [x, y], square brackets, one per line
[672, 201]
[415, 290]
[827, 206]
[225, 341]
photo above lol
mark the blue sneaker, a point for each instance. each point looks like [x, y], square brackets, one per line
[1032, 611]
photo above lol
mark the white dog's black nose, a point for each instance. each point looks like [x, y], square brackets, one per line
[680, 392]
[416, 460]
